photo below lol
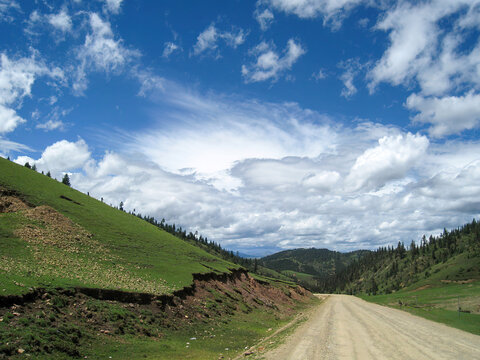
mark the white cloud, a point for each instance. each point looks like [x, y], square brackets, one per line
[60, 157]
[269, 64]
[17, 77]
[332, 11]
[51, 125]
[100, 47]
[351, 69]
[449, 114]
[264, 18]
[349, 87]
[169, 48]
[242, 130]
[428, 50]
[319, 75]
[207, 40]
[100, 51]
[391, 159]
[8, 146]
[60, 21]
[113, 5]
[9, 120]
[414, 39]
[251, 174]
[148, 82]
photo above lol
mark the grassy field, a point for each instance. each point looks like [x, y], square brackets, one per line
[113, 249]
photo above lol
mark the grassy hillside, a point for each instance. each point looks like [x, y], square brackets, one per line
[109, 249]
[71, 268]
[305, 266]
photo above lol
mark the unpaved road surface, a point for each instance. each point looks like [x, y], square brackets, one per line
[346, 327]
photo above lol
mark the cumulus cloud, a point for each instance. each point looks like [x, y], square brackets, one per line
[101, 51]
[449, 114]
[269, 64]
[9, 120]
[391, 159]
[60, 157]
[17, 77]
[299, 201]
[427, 50]
[207, 40]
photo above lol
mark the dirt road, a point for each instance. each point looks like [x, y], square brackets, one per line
[345, 327]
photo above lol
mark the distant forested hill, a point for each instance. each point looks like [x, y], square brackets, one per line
[454, 256]
[309, 266]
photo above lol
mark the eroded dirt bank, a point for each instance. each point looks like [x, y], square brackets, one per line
[69, 319]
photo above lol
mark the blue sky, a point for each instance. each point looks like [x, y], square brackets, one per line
[264, 124]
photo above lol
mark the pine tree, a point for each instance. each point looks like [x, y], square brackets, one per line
[27, 165]
[66, 180]
[48, 174]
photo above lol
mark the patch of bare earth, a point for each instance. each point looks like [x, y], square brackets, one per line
[11, 203]
[54, 229]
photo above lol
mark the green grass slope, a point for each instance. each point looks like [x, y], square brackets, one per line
[109, 249]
